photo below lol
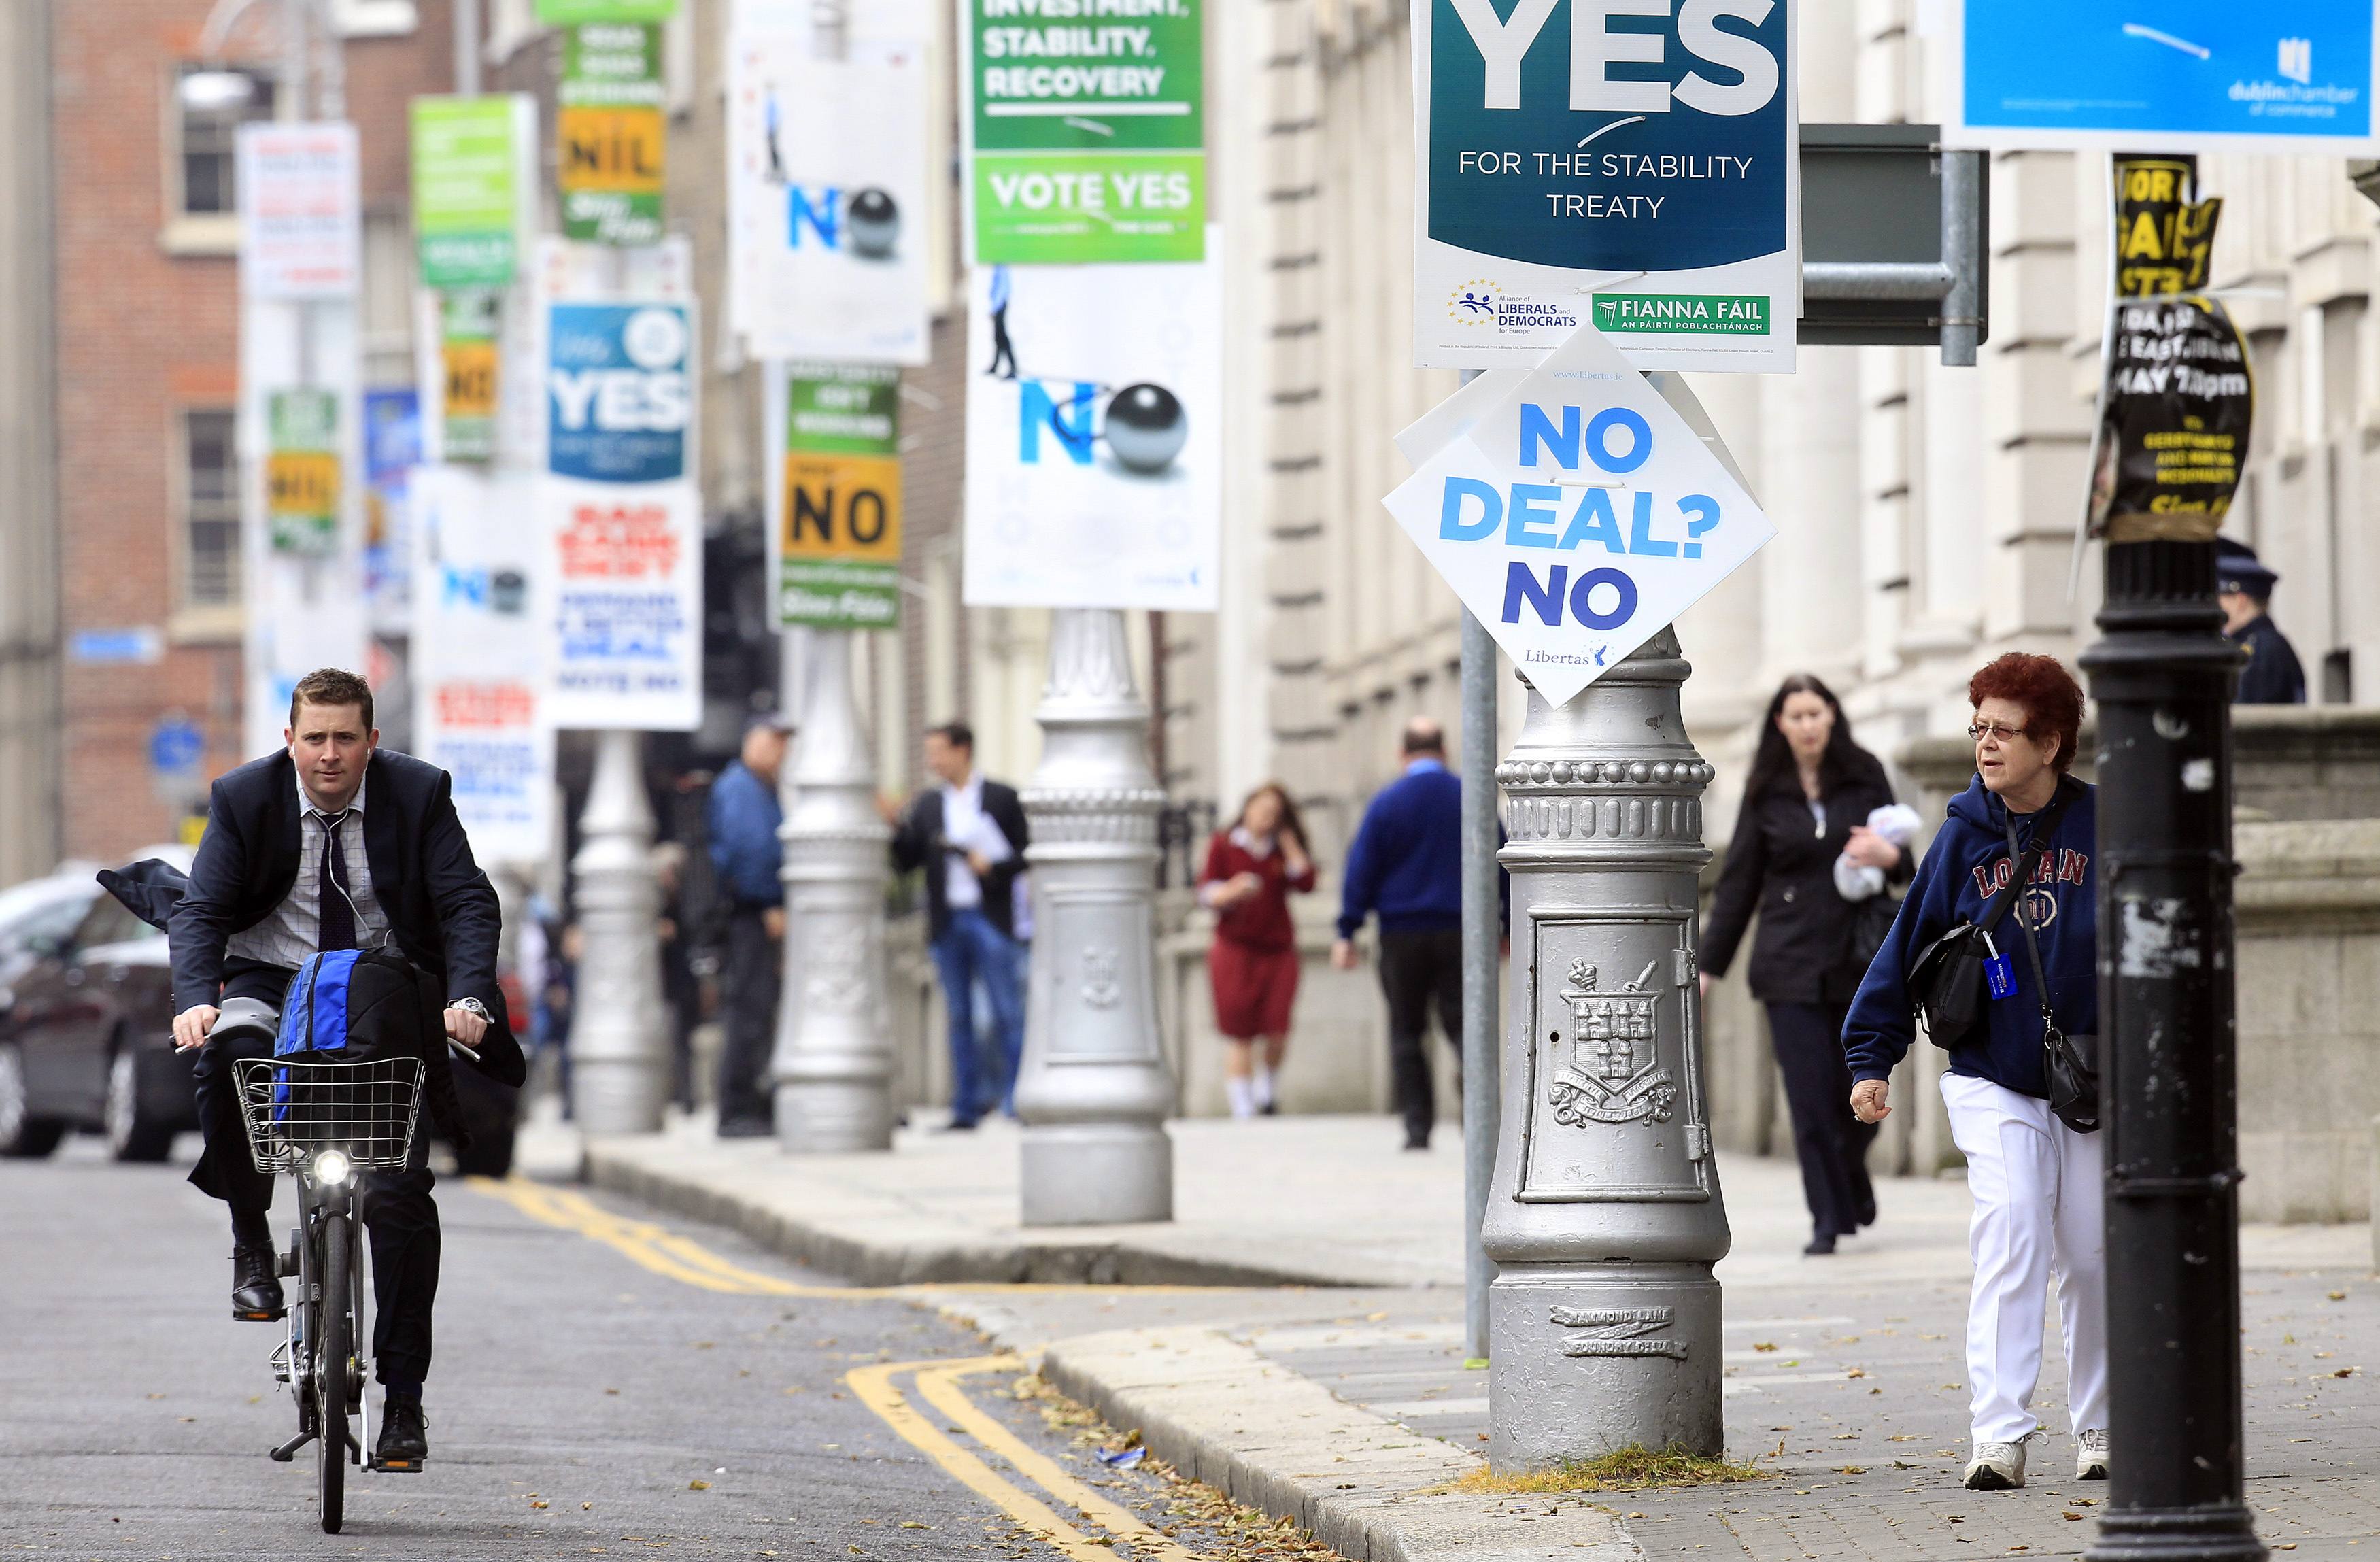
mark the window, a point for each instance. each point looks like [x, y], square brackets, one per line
[211, 519]
[209, 133]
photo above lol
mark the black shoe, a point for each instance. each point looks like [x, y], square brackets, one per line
[1417, 1141]
[1269, 1109]
[746, 1128]
[404, 1435]
[256, 1285]
[1820, 1246]
[957, 1125]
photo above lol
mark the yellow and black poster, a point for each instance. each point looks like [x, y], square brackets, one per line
[839, 523]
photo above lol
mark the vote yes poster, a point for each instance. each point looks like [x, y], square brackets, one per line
[834, 511]
[620, 516]
[1085, 130]
[1575, 513]
[827, 197]
[1615, 161]
[1093, 436]
[477, 655]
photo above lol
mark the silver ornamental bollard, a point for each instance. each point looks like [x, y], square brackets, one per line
[832, 1065]
[1093, 1090]
[619, 1048]
[1604, 1218]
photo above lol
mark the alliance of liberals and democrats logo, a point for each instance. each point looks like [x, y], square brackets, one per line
[1474, 302]
[1482, 303]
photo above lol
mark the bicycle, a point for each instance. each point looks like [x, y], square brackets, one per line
[324, 1124]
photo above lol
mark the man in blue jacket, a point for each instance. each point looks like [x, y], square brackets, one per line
[1406, 866]
[744, 815]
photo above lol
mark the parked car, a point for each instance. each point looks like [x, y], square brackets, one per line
[86, 1030]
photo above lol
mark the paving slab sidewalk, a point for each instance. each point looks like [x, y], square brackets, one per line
[1351, 1407]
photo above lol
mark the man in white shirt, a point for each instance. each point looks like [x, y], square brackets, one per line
[968, 835]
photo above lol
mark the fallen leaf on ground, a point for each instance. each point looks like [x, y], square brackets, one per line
[698, 1485]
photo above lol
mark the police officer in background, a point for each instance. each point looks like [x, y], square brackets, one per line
[2244, 587]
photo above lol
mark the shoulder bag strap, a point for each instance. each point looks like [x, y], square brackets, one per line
[2032, 948]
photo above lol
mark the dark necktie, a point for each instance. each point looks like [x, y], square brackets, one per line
[337, 913]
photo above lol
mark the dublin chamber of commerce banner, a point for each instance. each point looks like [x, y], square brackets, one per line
[1094, 436]
[827, 193]
[1085, 129]
[620, 516]
[479, 655]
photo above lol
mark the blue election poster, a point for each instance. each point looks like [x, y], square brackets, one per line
[618, 403]
[1634, 160]
[2279, 76]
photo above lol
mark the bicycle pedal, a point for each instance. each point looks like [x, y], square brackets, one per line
[396, 1466]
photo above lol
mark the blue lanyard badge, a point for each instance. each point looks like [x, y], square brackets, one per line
[2000, 970]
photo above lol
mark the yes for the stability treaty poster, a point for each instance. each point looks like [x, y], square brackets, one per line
[1611, 157]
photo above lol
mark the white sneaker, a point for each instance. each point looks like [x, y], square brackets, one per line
[2091, 1455]
[1997, 1467]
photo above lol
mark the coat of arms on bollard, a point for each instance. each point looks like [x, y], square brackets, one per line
[1605, 1080]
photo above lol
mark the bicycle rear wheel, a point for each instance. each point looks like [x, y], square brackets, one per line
[334, 1324]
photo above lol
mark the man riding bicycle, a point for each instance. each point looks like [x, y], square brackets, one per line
[334, 844]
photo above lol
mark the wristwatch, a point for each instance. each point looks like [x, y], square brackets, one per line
[473, 1006]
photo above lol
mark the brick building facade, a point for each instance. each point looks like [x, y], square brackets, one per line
[146, 320]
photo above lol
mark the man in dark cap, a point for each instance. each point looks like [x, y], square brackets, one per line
[2244, 587]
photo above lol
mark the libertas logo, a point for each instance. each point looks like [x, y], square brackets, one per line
[1705, 314]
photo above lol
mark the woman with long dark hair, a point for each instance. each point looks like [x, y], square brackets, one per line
[1807, 803]
[1252, 866]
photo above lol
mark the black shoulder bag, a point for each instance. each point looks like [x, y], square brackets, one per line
[1946, 980]
[2070, 1062]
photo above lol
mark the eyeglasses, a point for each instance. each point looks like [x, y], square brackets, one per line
[1982, 730]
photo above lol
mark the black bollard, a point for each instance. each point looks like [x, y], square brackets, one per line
[2162, 676]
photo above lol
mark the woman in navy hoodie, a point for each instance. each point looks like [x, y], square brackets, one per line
[2035, 1181]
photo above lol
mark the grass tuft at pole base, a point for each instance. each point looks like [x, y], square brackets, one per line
[1634, 1468]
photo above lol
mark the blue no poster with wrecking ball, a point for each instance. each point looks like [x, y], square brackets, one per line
[1574, 511]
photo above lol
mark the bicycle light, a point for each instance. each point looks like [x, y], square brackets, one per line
[331, 1168]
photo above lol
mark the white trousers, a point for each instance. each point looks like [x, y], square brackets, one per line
[2036, 1188]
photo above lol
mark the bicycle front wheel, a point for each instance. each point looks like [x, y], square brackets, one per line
[334, 1328]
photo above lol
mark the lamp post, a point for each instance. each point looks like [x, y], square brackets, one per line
[832, 1068]
[619, 1050]
[1093, 1090]
[1604, 1218]
[2162, 676]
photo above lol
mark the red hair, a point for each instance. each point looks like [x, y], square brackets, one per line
[2051, 698]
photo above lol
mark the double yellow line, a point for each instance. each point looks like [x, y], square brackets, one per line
[938, 1384]
[665, 1253]
[649, 1246]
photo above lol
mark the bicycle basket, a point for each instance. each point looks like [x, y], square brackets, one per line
[293, 1109]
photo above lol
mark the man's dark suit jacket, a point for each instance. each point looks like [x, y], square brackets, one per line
[438, 902]
[918, 842]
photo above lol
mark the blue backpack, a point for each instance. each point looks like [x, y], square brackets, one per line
[355, 1006]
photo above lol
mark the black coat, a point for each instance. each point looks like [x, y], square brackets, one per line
[917, 842]
[1782, 866]
[438, 902]
[2272, 675]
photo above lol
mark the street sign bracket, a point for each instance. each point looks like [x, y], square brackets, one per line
[1895, 240]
